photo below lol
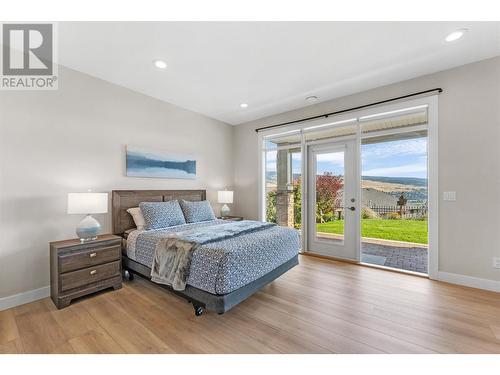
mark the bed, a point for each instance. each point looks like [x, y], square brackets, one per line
[222, 273]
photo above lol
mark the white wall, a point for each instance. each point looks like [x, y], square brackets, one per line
[73, 139]
[469, 161]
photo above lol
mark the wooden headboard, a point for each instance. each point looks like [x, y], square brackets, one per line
[122, 200]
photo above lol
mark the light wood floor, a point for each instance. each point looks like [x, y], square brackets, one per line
[320, 306]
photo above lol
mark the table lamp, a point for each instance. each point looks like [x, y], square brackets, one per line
[87, 204]
[225, 196]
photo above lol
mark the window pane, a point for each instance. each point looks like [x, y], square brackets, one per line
[330, 132]
[283, 187]
[289, 139]
[415, 117]
[394, 201]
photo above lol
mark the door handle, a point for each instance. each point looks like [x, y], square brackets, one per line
[352, 208]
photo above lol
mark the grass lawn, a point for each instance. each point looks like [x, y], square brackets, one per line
[398, 230]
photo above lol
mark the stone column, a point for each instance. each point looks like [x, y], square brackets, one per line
[284, 193]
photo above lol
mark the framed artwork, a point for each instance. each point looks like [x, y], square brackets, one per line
[142, 162]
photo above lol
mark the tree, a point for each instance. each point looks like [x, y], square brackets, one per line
[328, 198]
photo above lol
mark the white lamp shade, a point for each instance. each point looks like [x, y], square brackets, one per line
[87, 203]
[225, 196]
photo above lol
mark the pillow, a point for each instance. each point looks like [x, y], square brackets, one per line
[127, 233]
[136, 214]
[162, 214]
[197, 211]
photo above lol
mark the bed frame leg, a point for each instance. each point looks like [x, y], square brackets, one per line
[198, 310]
[127, 275]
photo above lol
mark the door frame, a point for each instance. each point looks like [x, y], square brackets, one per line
[432, 165]
[336, 144]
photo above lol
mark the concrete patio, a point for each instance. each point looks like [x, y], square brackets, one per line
[400, 257]
[406, 256]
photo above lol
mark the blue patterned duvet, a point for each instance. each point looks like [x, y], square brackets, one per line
[223, 266]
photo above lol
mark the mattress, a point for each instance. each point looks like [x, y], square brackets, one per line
[223, 266]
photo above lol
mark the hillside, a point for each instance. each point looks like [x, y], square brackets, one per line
[415, 189]
[415, 181]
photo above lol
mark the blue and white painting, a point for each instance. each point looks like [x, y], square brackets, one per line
[158, 164]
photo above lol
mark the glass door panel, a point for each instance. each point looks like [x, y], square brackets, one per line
[330, 171]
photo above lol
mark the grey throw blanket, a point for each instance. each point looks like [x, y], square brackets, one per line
[173, 253]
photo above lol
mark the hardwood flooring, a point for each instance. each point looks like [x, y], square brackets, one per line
[320, 306]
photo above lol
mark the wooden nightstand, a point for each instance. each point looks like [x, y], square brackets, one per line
[78, 269]
[232, 218]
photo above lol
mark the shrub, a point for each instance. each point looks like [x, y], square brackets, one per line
[297, 199]
[368, 213]
[271, 207]
[393, 216]
[422, 217]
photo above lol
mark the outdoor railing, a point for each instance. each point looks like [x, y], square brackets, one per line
[405, 212]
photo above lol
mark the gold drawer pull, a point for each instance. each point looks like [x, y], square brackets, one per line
[92, 255]
[93, 272]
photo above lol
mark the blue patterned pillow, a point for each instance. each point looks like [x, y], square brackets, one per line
[197, 211]
[162, 214]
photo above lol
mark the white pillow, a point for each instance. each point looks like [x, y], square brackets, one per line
[139, 221]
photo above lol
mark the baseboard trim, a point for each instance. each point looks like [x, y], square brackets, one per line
[470, 281]
[25, 297]
[447, 277]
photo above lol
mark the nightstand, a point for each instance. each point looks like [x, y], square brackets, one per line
[232, 218]
[78, 269]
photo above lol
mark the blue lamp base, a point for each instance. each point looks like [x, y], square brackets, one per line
[224, 211]
[88, 229]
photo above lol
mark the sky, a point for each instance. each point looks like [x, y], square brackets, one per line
[403, 158]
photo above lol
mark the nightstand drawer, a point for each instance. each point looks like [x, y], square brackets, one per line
[89, 275]
[88, 258]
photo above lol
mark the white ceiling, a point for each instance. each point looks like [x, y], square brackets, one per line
[272, 66]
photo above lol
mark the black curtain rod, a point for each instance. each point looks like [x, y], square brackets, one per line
[326, 115]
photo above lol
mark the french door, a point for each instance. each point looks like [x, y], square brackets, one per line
[312, 179]
[333, 199]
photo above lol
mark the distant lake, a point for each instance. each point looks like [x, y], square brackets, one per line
[159, 173]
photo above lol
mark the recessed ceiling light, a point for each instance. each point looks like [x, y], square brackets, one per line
[457, 34]
[243, 105]
[160, 64]
[311, 99]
